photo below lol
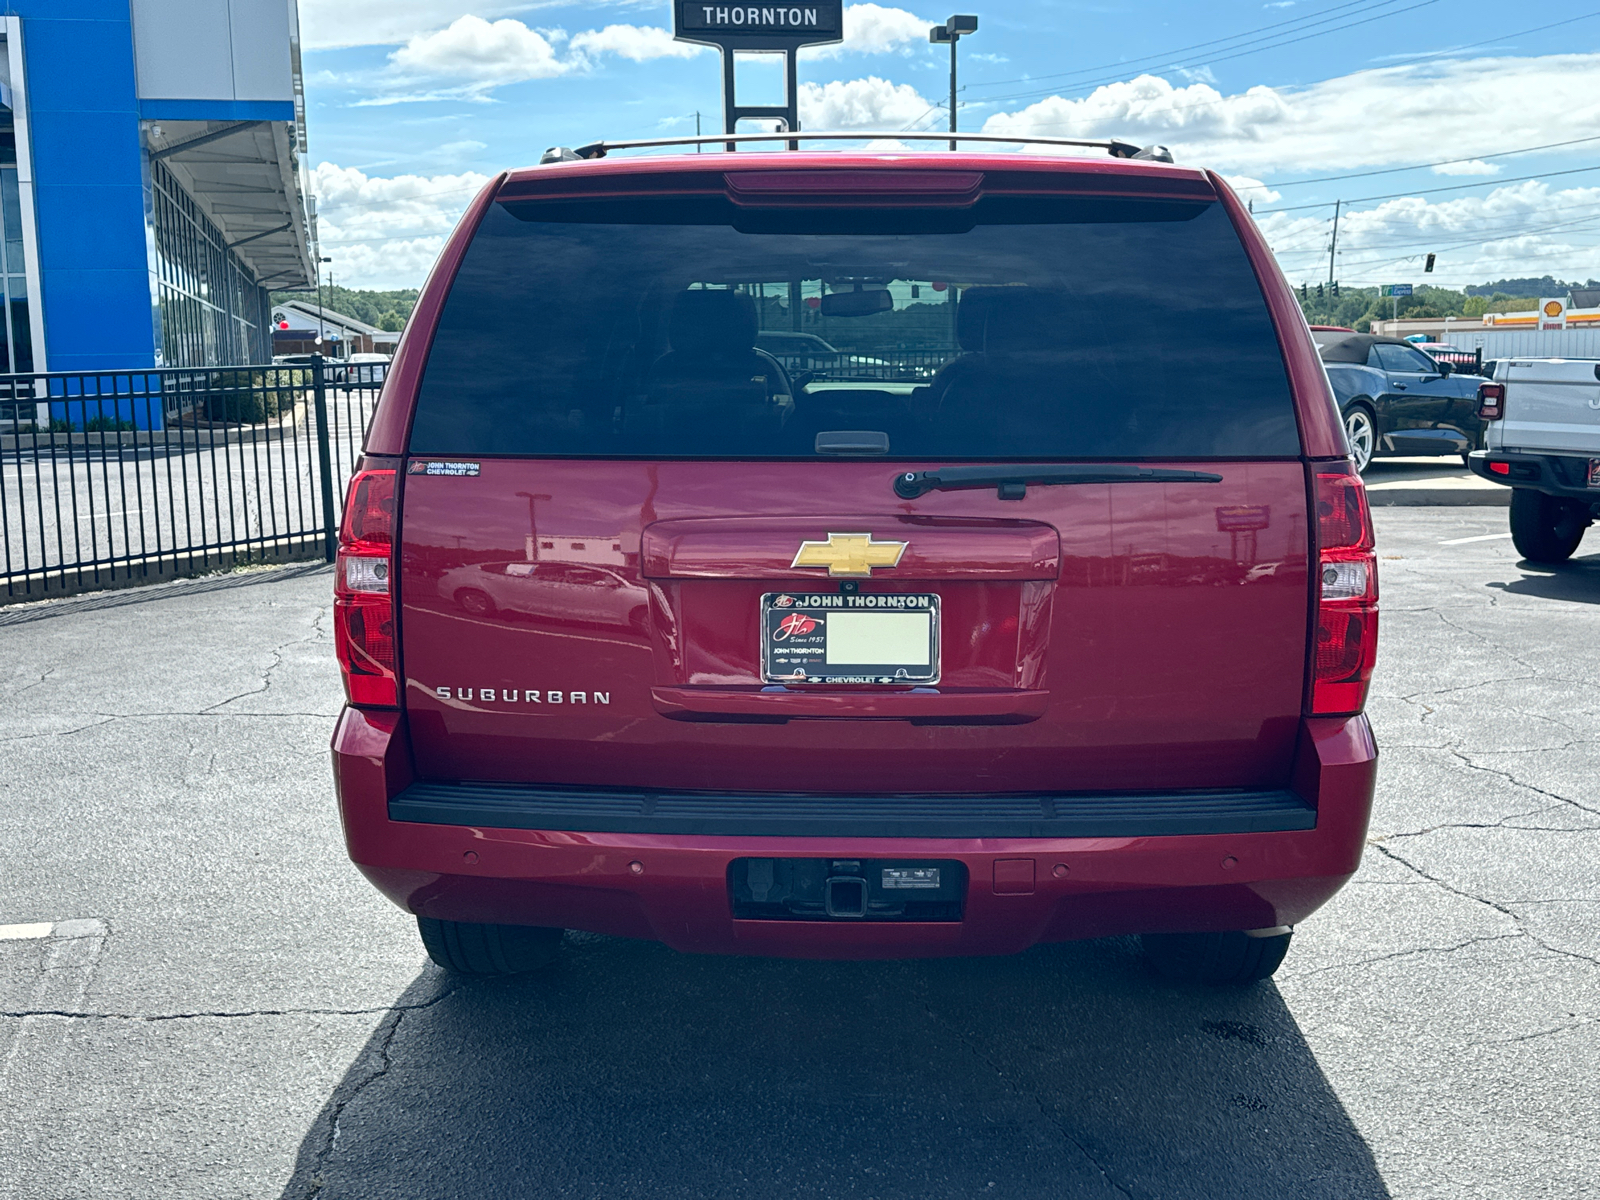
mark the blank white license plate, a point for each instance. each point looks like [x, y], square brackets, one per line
[822, 637]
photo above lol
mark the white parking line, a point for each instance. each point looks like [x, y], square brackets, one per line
[1482, 537]
[38, 929]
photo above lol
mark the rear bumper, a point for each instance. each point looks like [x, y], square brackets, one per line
[1554, 474]
[673, 886]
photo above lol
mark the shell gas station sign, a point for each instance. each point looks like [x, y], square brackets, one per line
[1552, 314]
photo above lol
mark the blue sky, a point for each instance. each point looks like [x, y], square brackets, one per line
[413, 103]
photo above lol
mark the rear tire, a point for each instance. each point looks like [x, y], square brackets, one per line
[1361, 430]
[475, 603]
[1217, 958]
[1546, 529]
[464, 948]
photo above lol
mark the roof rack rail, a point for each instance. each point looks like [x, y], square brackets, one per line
[1111, 146]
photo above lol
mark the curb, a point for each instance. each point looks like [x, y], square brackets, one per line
[1416, 497]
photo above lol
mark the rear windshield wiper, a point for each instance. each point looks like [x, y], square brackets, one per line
[1013, 480]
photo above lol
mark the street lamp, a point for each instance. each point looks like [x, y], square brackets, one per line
[952, 31]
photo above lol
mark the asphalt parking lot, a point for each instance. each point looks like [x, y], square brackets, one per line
[200, 997]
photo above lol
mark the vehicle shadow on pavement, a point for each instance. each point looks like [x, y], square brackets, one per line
[631, 1070]
[1577, 580]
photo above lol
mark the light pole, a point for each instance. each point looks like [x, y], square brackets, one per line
[531, 550]
[952, 31]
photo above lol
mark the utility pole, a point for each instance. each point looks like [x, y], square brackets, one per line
[952, 31]
[697, 146]
[1333, 246]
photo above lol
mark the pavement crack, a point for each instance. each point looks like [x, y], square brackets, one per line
[316, 635]
[1515, 916]
[1032, 1096]
[1511, 778]
[1293, 977]
[1542, 1033]
[382, 1060]
[222, 1014]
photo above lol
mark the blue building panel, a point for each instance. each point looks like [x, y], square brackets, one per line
[133, 266]
[216, 110]
[84, 135]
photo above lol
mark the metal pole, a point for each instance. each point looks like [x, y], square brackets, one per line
[330, 521]
[953, 40]
[697, 146]
[730, 118]
[791, 85]
[1333, 245]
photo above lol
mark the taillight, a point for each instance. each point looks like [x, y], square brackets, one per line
[1491, 401]
[1346, 644]
[363, 605]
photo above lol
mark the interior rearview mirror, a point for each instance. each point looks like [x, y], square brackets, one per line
[857, 303]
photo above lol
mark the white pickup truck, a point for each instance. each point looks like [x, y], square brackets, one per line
[1542, 433]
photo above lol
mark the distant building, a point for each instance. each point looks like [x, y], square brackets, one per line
[150, 181]
[297, 326]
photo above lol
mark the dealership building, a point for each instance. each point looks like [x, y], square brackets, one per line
[151, 192]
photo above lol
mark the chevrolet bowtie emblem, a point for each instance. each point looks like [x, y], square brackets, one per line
[849, 554]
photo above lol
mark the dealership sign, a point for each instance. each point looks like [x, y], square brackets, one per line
[759, 26]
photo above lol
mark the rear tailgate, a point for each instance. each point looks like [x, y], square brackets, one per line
[1551, 404]
[1160, 642]
[605, 480]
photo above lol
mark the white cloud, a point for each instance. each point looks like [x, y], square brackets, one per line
[639, 43]
[1252, 190]
[1519, 229]
[334, 24]
[478, 52]
[1473, 166]
[1370, 118]
[874, 29]
[869, 103]
[386, 232]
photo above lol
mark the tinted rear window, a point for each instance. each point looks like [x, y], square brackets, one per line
[1035, 329]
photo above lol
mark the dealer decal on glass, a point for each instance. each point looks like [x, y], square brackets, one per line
[863, 638]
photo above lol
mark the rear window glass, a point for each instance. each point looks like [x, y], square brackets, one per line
[1036, 329]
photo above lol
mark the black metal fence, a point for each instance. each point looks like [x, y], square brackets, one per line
[112, 477]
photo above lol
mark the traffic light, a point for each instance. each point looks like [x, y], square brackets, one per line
[1428, 266]
[1335, 289]
[1319, 291]
[1302, 291]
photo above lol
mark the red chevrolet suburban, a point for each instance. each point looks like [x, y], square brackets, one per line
[1043, 609]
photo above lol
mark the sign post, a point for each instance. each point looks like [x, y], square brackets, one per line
[1394, 291]
[759, 29]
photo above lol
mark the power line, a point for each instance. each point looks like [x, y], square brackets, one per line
[1430, 191]
[1120, 77]
[1417, 166]
[1128, 64]
[1328, 79]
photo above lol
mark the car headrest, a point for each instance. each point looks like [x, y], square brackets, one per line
[712, 322]
[972, 312]
[1024, 319]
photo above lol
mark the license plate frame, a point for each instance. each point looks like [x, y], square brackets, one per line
[1594, 472]
[798, 655]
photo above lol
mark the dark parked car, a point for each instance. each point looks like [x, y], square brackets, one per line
[1018, 654]
[1397, 401]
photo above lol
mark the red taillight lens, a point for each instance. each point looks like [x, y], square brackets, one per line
[363, 604]
[1346, 640]
[1491, 401]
